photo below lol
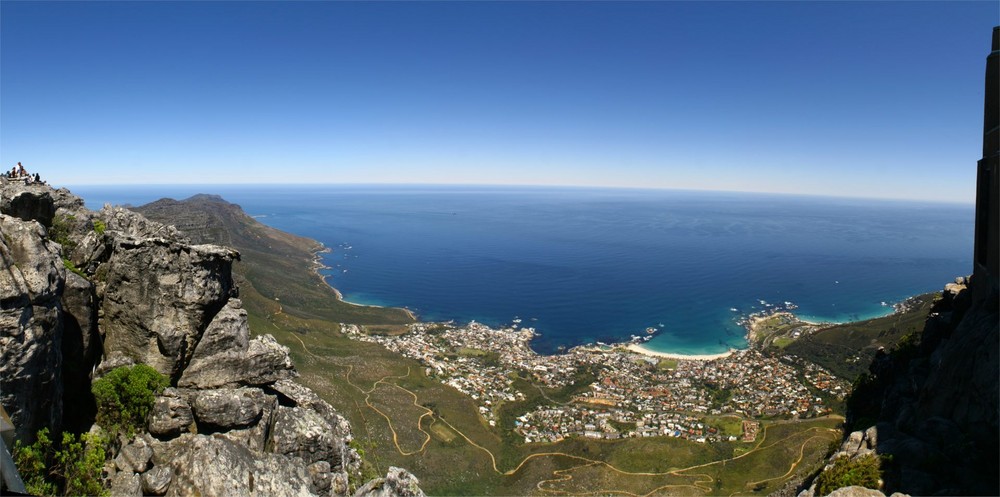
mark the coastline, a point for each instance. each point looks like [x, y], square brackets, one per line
[639, 349]
[317, 266]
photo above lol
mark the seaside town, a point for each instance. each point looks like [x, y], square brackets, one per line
[631, 393]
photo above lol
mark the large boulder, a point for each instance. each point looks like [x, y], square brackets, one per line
[300, 396]
[129, 223]
[160, 295]
[171, 414]
[126, 484]
[215, 466]
[225, 355]
[303, 433]
[32, 276]
[134, 457]
[157, 480]
[28, 203]
[228, 408]
[398, 482]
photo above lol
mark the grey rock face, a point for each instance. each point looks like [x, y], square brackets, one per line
[349, 460]
[226, 356]
[157, 480]
[215, 466]
[229, 408]
[38, 271]
[65, 201]
[159, 297]
[856, 491]
[304, 433]
[255, 436]
[151, 297]
[32, 276]
[398, 482]
[320, 477]
[81, 345]
[134, 457]
[171, 414]
[79, 305]
[132, 224]
[304, 397]
[127, 484]
[28, 203]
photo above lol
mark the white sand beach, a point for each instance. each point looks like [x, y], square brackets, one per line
[639, 349]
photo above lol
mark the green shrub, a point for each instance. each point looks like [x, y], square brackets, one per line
[75, 467]
[72, 267]
[81, 463]
[125, 396]
[61, 228]
[33, 462]
[863, 471]
[99, 226]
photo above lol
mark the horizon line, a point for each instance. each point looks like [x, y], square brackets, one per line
[531, 186]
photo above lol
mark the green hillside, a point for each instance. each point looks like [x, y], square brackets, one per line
[400, 417]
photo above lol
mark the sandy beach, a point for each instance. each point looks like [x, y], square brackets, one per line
[639, 349]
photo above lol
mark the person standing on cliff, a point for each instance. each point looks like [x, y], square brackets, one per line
[20, 171]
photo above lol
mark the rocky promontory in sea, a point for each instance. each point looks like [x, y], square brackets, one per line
[84, 292]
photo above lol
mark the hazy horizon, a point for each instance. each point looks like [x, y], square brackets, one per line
[853, 99]
[207, 187]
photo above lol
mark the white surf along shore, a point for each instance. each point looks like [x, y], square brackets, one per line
[640, 349]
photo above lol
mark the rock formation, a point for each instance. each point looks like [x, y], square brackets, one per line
[82, 292]
[930, 408]
[32, 278]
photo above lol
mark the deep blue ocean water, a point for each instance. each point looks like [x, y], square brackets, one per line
[584, 265]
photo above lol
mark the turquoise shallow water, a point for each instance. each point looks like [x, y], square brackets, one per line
[585, 265]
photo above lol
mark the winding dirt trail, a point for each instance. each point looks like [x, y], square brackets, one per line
[701, 481]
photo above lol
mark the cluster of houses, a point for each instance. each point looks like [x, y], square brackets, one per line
[632, 397]
[552, 424]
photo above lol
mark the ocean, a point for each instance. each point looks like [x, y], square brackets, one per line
[583, 265]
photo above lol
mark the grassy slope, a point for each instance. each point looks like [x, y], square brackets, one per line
[275, 267]
[362, 379]
[847, 349]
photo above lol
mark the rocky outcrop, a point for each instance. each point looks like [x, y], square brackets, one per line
[930, 407]
[226, 356]
[137, 291]
[32, 277]
[398, 482]
[297, 395]
[82, 347]
[28, 204]
[303, 433]
[160, 296]
[214, 465]
[229, 408]
[171, 415]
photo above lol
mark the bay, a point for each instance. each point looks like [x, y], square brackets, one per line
[588, 264]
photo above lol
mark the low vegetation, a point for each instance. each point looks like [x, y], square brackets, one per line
[847, 349]
[72, 467]
[125, 397]
[72, 267]
[60, 231]
[401, 417]
[861, 471]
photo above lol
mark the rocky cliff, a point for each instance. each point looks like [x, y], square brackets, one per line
[82, 292]
[929, 410]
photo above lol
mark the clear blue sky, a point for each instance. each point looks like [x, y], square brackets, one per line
[857, 98]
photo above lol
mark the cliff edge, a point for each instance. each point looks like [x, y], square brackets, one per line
[83, 292]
